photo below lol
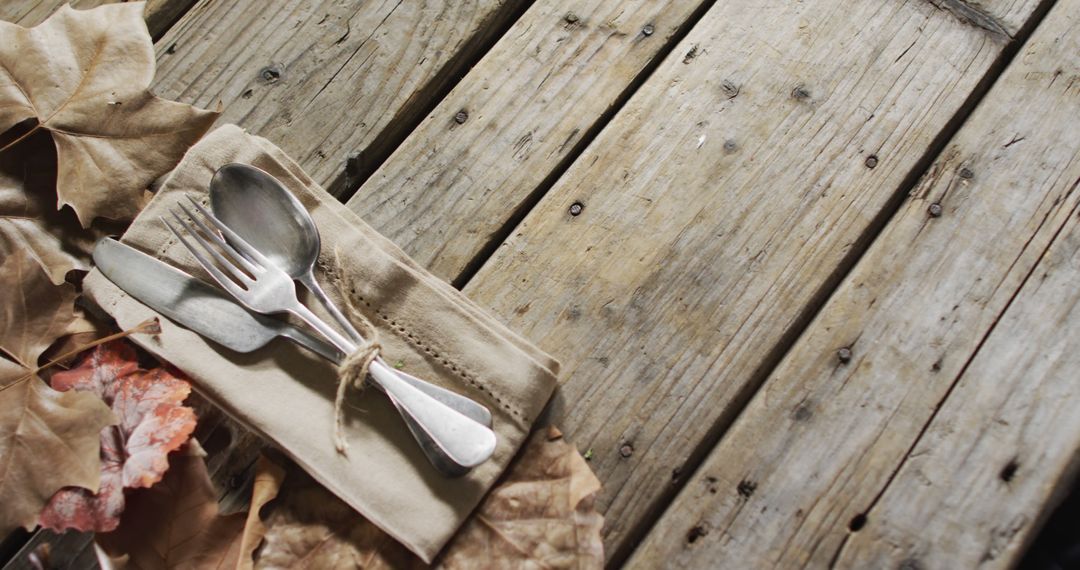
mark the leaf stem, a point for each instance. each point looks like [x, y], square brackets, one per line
[149, 326]
[21, 137]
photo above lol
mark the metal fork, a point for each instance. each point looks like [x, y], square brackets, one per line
[260, 285]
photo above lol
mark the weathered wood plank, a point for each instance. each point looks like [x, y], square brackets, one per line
[696, 234]
[1003, 449]
[323, 80]
[976, 486]
[159, 13]
[797, 479]
[481, 156]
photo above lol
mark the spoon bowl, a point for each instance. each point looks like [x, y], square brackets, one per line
[251, 202]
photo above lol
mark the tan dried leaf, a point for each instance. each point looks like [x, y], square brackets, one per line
[175, 524]
[35, 311]
[540, 516]
[310, 528]
[48, 440]
[84, 75]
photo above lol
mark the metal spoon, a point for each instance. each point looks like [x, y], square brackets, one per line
[249, 201]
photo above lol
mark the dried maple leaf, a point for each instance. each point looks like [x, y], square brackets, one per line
[83, 75]
[175, 524]
[540, 515]
[134, 453]
[35, 311]
[48, 440]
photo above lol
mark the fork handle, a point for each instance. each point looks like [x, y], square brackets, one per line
[459, 437]
[308, 280]
[343, 344]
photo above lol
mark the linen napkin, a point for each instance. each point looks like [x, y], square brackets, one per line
[287, 394]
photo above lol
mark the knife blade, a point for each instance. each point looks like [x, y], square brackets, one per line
[194, 304]
[212, 313]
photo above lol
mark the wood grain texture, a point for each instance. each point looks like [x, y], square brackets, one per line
[159, 13]
[712, 213]
[797, 479]
[323, 80]
[513, 121]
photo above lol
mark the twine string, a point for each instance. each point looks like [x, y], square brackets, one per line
[353, 370]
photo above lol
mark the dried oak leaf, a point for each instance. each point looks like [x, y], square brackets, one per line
[48, 439]
[541, 515]
[134, 453]
[83, 75]
[175, 524]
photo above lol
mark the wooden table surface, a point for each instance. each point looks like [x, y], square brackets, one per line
[812, 268]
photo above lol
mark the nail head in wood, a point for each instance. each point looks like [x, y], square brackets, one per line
[270, 74]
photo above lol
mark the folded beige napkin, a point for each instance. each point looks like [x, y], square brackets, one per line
[287, 394]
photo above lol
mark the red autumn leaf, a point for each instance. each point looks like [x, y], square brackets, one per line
[153, 423]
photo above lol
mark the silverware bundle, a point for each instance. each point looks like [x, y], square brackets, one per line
[258, 239]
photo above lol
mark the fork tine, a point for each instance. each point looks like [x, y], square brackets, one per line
[251, 268]
[210, 268]
[223, 262]
[234, 238]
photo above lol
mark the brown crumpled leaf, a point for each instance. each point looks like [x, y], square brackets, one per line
[540, 516]
[48, 439]
[153, 422]
[175, 524]
[83, 75]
